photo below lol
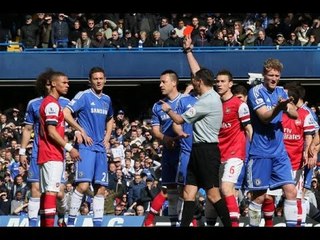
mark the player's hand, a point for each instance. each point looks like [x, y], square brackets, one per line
[312, 162]
[165, 106]
[187, 42]
[282, 103]
[88, 140]
[169, 142]
[82, 137]
[106, 143]
[183, 135]
[23, 161]
[74, 154]
[188, 89]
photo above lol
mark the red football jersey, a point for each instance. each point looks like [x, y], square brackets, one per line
[50, 114]
[294, 130]
[232, 137]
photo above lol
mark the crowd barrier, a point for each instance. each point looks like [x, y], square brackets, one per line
[150, 62]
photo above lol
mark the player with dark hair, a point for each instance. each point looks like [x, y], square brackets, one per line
[94, 113]
[51, 147]
[163, 131]
[31, 126]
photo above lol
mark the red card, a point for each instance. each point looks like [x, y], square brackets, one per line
[188, 30]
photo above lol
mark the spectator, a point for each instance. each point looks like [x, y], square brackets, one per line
[302, 33]
[29, 33]
[134, 190]
[164, 28]
[174, 40]
[262, 39]
[248, 38]
[107, 28]
[293, 40]
[140, 210]
[5, 203]
[180, 28]
[60, 31]
[201, 39]
[156, 40]
[91, 29]
[280, 40]
[118, 210]
[148, 193]
[75, 33]
[84, 41]
[98, 41]
[129, 41]
[84, 209]
[312, 41]
[115, 40]
[45, 32]
[17, 204]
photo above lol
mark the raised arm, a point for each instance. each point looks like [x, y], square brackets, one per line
[193, 64]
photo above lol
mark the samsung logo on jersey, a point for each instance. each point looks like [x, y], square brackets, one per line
[99, 111]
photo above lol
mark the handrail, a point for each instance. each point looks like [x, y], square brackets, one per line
[161, 49]
[177, 49]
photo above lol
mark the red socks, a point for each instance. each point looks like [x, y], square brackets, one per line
[233, 208]
[47, 210]
[268, 211]
[155, 208]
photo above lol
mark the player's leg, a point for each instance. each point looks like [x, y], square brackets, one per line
[100, 183]
[34, 201]
[210, 213]
[230, 172]
[181, 179]
[83, 178]
[61, 206]
[155, 207]
[189, 196]
[169, 165]
[268, 208]
[282, 174]
[257, 181]
[50, 177]
[62, 201]
[169, 188]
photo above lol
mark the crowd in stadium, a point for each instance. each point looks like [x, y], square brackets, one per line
[135, 155]
[131, 30]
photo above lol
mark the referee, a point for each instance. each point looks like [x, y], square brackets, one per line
[206, 117]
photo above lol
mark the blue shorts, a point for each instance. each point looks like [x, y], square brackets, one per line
[169, 165]
[92, 167]
[241, 183]
[308, 174]
[182, 167]
[264, 173]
